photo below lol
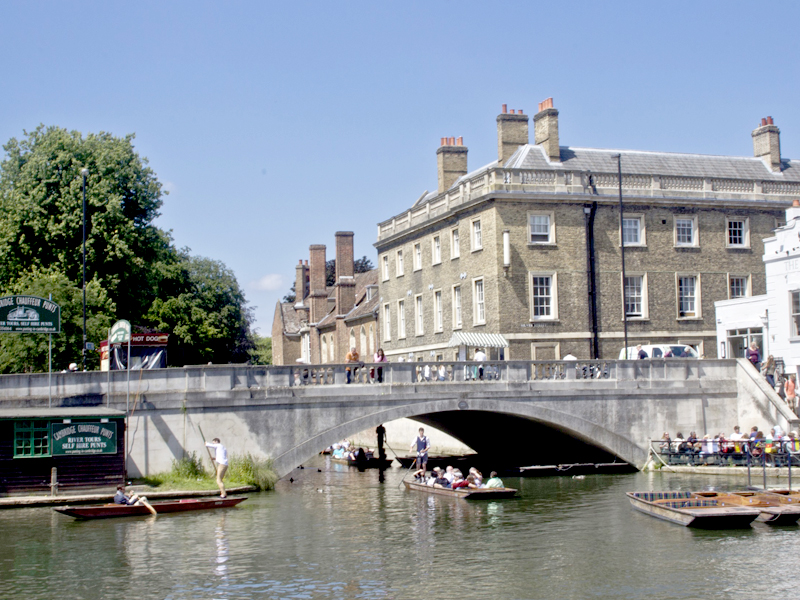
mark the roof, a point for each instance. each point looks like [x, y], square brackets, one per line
[60, 412]
[477, 340]
[291, 318]
[363, 306]
[531, 156]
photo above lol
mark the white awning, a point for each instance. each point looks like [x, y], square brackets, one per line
[477, 340]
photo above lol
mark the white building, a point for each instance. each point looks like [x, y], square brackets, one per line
[773, 319]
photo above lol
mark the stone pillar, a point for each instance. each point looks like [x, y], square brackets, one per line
[451, 162]
[545, 130]
[512, 132]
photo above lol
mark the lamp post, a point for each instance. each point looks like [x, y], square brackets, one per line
[84, 172]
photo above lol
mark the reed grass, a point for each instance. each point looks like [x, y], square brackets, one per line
[188, 473]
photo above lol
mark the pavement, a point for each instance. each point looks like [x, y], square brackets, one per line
[104, 496]
[756, 473]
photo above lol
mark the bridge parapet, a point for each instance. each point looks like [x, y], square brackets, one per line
[221, 380]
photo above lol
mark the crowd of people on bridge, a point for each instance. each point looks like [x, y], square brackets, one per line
[755, 443]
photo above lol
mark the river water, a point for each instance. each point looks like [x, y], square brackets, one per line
[340, 534]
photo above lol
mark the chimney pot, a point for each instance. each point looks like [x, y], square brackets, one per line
[513, 112]
[460, 141]
[763, 122]
[505, 108]
[770, 121]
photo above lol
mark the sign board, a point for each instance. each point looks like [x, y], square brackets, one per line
[29, 314]
[120, 332]
[78, 439]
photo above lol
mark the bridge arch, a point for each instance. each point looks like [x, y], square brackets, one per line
[589, 432]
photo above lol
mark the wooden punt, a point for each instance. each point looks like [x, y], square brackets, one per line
[440, 461]
[684, 509]
[465, 493]
[370, 463]
[775, 509]
[106, 511]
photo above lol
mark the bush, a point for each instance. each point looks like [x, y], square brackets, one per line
[188, 467]
[249, 470]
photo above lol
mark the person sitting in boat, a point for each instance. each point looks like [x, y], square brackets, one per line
[430, 479]
[131, 499]
[448, 474]
[477, 475]
[441, 480]
[459, 481]
[494, 481]
[339, 451]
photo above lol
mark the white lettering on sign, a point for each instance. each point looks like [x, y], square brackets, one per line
[64, 432]
[37, 302]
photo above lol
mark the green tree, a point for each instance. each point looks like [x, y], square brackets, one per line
[209, 319]
[262, 354]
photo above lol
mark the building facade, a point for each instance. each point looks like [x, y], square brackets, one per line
[771, 320]
[324, 322]
[526, 251]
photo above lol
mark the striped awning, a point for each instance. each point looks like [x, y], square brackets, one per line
[477, 340]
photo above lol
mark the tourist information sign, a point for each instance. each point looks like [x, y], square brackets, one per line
[29, 314]
[83, 438]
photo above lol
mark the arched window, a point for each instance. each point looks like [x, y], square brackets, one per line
[363, 340]
[371, 340]
[324, 349]
[331, 348]
[352, 338]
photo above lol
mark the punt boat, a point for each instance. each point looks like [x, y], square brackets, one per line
[775, 508]
[465, 493]
[106, 511]
[688, 510]
[441, 461]
[369, 463]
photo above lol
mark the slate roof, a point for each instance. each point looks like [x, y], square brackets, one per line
[636, 162]
[362, 307]
[291, 318]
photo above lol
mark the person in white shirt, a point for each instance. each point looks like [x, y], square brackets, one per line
[221, 458]
[479, 357]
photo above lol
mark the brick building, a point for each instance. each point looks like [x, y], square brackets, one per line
[525, 252]
[324, 322]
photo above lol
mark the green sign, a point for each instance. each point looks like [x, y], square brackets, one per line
[120, 332]
[29, 314]
[83, 438]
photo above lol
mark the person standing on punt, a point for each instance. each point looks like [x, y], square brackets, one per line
[221, 458]
[421, 444]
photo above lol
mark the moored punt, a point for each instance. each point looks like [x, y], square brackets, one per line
[439, 461]
[465, 493]
[775, 509]
[370, 463]
[689, 511]
[106, 511]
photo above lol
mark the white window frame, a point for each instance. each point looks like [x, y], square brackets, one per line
[748, 290]
[642, 237]
[695, 233]
[478, 301]
[794, 315]
[455, 244]
[419, 316]
[745, 233]
[417, 256]
[401, 319]
[698, 306]
[438, 312]
[476, 235]
[644, 298]
[436, 250]
[387, 319]
[551, 235]
[553, 316]
[385, 267]
[458, 306]
[399, 264]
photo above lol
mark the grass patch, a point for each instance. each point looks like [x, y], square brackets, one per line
[189, 473]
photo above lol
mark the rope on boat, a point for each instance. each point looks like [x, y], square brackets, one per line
[658, 456]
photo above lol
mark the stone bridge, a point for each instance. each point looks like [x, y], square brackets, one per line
[542, 412]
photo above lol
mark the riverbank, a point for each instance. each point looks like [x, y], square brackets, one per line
[756, 473]
[107, 495]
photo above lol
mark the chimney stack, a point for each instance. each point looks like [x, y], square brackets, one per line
[317, 291]
[451, 162]
[345, 276]
[301, 282]
[512, 132]
[767, 144]
[545, 130]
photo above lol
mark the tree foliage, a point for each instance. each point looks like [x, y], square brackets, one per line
[134, 272]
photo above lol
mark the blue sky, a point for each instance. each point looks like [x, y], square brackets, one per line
[274, 125]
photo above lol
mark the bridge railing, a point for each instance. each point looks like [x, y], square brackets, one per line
[222, 379]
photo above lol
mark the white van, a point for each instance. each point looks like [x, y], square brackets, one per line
[661, 351]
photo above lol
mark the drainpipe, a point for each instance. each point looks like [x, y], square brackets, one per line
[591, 283]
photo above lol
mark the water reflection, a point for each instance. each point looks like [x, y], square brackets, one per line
[338, 533]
